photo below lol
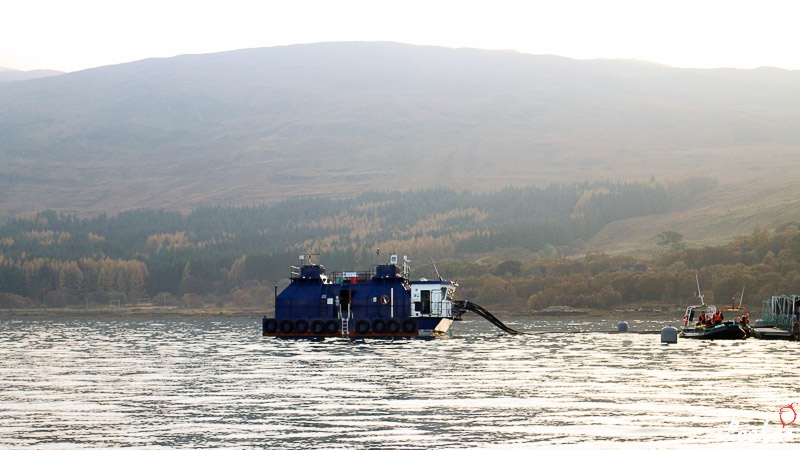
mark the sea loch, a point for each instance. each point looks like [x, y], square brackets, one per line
[217, 383]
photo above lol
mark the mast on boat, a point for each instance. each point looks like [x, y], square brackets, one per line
[699, 294]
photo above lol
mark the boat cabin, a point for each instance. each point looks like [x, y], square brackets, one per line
[694, 315]
[432, 298]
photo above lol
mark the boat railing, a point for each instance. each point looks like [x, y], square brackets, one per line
[780, 311]
[354, 277]
[442, 308]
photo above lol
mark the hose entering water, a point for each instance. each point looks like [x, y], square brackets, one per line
[461, 306]
[483, 312]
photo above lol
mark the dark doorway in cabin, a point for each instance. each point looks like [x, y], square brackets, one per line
[425, 298]
[345, 299]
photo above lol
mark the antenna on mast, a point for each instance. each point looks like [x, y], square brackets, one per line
[437, 270]
[699, 294]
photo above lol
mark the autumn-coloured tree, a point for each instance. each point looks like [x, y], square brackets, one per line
[237, 269]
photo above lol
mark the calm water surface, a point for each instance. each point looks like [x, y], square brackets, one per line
[215, 383]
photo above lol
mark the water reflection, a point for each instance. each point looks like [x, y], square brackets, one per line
[212, 383]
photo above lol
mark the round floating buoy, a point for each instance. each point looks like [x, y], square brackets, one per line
[622, 327]
[669, 335]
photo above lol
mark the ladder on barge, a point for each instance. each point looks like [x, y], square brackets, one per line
[344, 318]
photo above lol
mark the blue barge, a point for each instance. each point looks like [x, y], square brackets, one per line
[382, 303]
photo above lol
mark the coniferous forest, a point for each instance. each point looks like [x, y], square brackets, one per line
[235, 255]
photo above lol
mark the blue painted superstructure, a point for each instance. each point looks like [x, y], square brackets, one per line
[380, 302]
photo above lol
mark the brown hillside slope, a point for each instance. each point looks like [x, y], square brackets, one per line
[260, 125]
[755, 191]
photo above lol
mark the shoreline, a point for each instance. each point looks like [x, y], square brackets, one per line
[157, 312]
[135, 312]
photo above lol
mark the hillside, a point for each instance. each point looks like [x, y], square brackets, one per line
[260, 125]
[7, 74]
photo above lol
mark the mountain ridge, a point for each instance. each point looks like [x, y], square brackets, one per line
[9, 74]
[260, 125]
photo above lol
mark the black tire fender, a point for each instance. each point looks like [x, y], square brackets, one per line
[332, 327]
[362, 327]
[317, 327]
[287, 326]
[379, 326]
[301, 326]
[270, 326]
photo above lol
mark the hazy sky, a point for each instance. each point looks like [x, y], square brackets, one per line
[71, 35]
